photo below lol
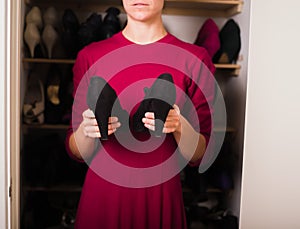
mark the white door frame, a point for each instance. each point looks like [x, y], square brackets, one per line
[15, 109]
[10, 40]
[4, 113]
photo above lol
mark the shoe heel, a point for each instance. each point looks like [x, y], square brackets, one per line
[50, 37]
[32, 37]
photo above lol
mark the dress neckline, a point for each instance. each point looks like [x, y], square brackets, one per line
[165, 39]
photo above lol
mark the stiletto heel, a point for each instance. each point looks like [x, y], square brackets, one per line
[158, 99]
[103, 101]
[35, 16]
[32, 37]
[50, 38]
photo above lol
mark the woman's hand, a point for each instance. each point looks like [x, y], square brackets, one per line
[90, 126]
[172, 123]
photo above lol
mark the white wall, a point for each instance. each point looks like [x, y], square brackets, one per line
[271, 182]
[3, 117]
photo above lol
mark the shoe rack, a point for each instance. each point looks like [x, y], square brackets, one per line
[51, 191]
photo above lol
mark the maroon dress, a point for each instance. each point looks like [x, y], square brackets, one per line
[133, 178]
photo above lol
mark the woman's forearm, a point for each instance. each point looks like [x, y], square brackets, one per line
[81, 145]
[191, 143]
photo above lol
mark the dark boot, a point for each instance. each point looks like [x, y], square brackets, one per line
[159, 99]
[103, 101]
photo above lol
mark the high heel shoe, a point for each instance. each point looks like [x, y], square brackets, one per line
[53, 111]
[32, 37]
[51, 17]
[34, 101]
[111, 23]
[230, 38]
[35, 16]
[208, 37]
[90, 30]
[159, 99]
[103, 101]
[50, 38]
[69, 35]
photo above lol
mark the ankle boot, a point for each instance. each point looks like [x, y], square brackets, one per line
[159, 99]
[103, 101]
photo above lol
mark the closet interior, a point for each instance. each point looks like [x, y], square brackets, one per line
[50, 180]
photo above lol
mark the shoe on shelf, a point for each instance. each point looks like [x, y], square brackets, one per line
[34, 101]
[51, 17]
[70, 33]
[50, 39]
[230, 43]
[32, 37]
[54, 108]
[35, 16]
[90, 30]
[208, 37]
[111, 23]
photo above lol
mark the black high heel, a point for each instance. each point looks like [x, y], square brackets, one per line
[103, 101]
[90, 30]
[230, 39]
[111, 23]
[158, 99]
[70, 24]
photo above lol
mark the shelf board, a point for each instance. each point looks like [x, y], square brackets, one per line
[208, 8]
[48, 61]
[231, 67]
[57, 188]
[44, 127]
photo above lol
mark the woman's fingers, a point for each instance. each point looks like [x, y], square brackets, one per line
[171, 124]
[91, 128]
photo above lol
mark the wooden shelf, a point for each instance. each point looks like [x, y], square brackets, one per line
[207, 8]
[234, 68]
[32, 128]
[48, 61]
[57, 188]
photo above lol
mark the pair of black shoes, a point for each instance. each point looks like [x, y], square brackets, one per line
[76, 36]
[103, 101]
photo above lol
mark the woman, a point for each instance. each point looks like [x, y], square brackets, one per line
[129, 200]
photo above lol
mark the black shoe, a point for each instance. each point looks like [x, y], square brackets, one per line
[70, 33]
[111, 23]
[230, 43]
[159, 99]
[103, 101]
[90, 30]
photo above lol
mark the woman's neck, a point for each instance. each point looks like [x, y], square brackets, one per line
[144, 33]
